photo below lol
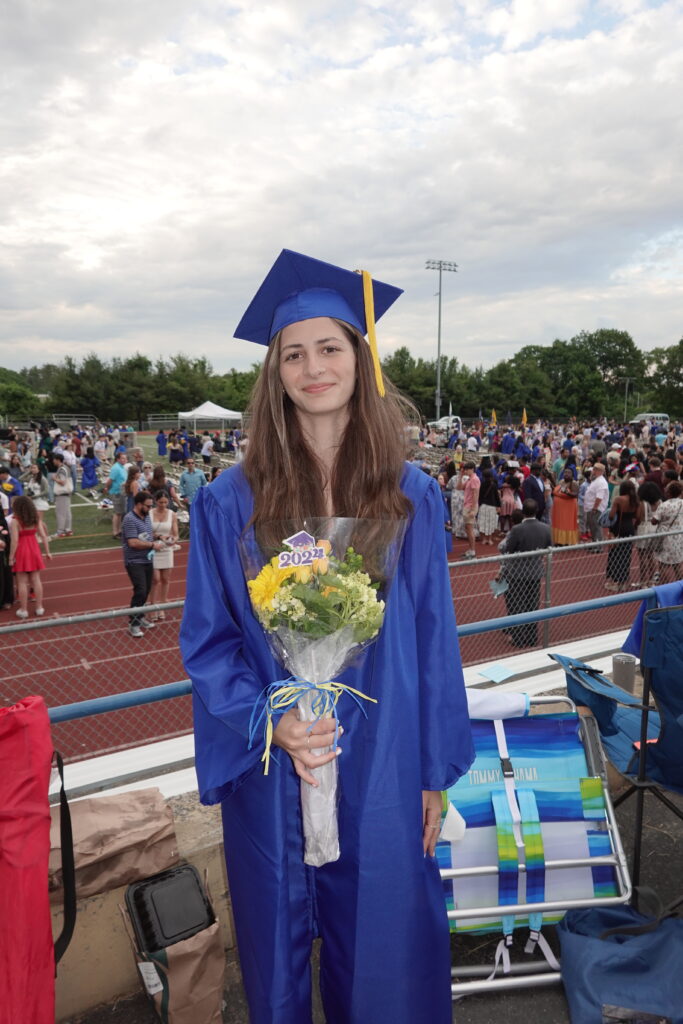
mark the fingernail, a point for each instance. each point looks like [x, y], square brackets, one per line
[337, 752]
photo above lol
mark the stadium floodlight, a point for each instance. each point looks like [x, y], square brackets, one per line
[439, 265]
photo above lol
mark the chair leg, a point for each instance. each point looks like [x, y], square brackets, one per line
[637, 843]
[667, 803]
[624, 796]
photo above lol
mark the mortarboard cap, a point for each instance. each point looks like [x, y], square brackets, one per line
[298, 287]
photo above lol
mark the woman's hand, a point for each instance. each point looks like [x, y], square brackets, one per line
[431, 820]
[293, 736]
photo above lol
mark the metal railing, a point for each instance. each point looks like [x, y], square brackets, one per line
[183, 687]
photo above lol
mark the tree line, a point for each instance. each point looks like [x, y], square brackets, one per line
[588, 376]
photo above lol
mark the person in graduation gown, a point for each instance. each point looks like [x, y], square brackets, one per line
[162, 443]
[317, 413]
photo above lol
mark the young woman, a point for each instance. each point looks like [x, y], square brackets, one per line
[510, 501]
[564, 515]
[650, 498]
[326, 443]
[89, 465]
[165, 527]
[15, 466]
[35, 486]
[131, 486]
[175, 450]
[626, 508]
[25, 558]
[669, 518]
[159, 482]
[489, 503]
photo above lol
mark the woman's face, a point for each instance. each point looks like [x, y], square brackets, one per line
[317, 366]
[161, 504]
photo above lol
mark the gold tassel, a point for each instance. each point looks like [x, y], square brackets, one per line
[369, 300]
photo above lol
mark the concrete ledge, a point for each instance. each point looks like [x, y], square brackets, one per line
[98, 965]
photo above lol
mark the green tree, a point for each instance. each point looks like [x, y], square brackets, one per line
[233, 390]
[666, 379]
[17, 402]
[617, 358]
[415, 378]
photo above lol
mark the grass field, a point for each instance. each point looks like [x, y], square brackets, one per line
[92, 525]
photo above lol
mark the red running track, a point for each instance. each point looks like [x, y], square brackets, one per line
[87, 660]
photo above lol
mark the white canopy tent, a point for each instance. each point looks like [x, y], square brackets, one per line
[210, 411]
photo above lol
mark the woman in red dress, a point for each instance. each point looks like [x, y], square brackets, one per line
[24, 556]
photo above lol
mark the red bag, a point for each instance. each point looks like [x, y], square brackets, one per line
[27, 953]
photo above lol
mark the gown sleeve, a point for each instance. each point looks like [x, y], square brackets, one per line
[446, 742]
[212, 642]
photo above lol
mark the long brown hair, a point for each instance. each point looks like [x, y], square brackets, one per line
[133, 474]
[284, 473]
[158, 480]
[25, 511]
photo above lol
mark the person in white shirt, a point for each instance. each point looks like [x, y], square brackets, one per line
[71, 462]
[207, 451]
[595, 500]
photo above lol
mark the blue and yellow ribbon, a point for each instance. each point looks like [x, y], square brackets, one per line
[283, 694]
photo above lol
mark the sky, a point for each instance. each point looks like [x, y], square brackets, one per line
[156, 156]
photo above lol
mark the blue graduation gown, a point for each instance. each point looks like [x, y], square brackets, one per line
[380, 908]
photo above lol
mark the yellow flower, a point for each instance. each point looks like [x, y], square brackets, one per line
[325, 545]
[321, 565]
[302, 573]
[263, 589]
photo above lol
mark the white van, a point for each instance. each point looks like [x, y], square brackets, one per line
[660, 419]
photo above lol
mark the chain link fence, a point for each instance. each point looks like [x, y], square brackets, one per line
[490, 588]
[79, 657]
[76, 658]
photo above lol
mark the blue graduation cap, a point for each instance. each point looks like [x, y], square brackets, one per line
[298, 287]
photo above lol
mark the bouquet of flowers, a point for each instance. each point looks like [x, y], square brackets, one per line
[320, 599]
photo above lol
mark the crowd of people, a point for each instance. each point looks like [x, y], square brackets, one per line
[585, 482]
[588, 481]
[44, 467]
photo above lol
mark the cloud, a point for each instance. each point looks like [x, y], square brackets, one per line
[160, 155]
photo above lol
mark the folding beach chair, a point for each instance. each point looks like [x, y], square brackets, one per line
[645, 744]
[529, 833]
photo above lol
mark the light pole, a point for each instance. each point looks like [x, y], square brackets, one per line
[439, 265]
[627, 381]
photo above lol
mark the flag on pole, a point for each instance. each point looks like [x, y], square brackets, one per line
[494, 421]
[524, 417]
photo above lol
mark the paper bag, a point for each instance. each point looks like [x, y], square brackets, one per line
[185, 981]
[117, 839]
